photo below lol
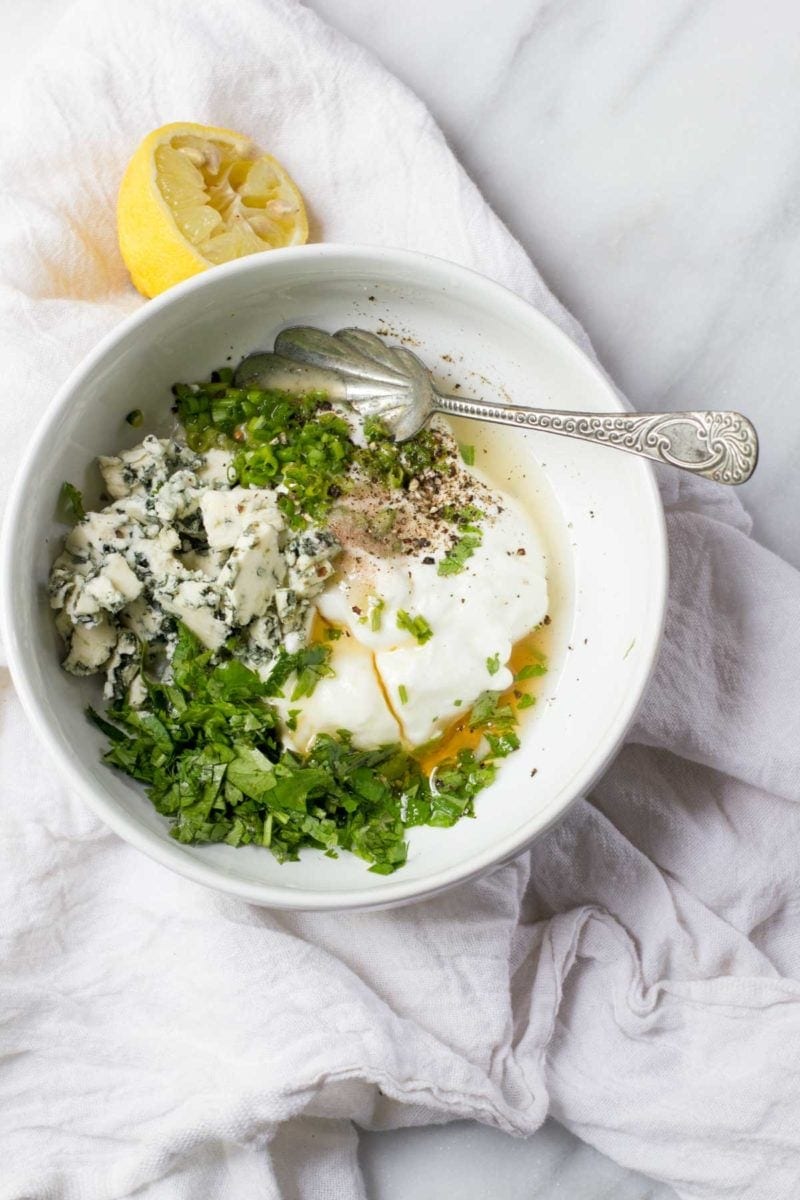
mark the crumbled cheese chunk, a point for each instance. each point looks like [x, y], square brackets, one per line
[178, 498]
[249, 578]
[90, 647]
[178, 543]
[123, 667]
[229, 514]
[216, 468]
[195, 602]
[309, 557]
[145, 467]
[145, 618]
[207, 562]
[86, 591]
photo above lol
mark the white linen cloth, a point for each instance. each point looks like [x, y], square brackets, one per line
[636, 973]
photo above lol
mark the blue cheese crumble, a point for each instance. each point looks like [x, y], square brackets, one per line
[179, 542]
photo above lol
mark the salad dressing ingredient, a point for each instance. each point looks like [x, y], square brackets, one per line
[194, 196]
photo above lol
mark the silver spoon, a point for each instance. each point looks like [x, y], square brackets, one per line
[391, 383]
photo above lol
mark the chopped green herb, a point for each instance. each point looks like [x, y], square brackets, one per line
[465, 515]
[207, 747]
[332, 633]
[457, 703]
[468, 455]
[496, 722]
[417, 626]
[526, 701]
[530, 671]
[277, 438]
[222, 375]
[135, 418]
[493, 664]
[291, 719]
[375, 614]
[502, 744]
[395, 464]
[70, 503]
[455, 560]
[382, 523]
[308, 665]
[484, 709]
[402, 692]
[456, 783]
[300, 443]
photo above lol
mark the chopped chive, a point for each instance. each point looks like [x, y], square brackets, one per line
[375, 616]
[402, 692]
[266, 836]
[417, 626]
[135, 418]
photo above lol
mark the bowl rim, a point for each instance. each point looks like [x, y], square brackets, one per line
[395, 890]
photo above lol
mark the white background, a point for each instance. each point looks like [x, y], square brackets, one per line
[647, 155]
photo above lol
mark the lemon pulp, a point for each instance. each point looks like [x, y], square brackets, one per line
[194, 196]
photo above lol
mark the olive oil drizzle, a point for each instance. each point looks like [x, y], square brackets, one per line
[534, 648]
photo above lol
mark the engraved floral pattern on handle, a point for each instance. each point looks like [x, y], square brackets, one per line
[722, 446]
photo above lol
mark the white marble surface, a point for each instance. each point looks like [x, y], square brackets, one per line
[646, 156]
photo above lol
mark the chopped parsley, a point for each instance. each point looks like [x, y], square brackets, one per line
[526, 701]
[70, 503]
[465, 515]
[497, 722]
[493, 664]
[308, 665]
[465, 518]
[418, 627]
[456, 783]
[468, 455]
[332, 633]
[530, 671]
[206, 745]
[455, 560]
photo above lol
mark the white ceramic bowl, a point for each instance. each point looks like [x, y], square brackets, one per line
[599, 509]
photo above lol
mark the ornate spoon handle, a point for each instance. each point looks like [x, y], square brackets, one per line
[722, 446]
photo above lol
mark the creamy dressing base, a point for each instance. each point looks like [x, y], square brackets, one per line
[505, 460]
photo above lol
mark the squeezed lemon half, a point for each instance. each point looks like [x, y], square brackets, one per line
[193, 196]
